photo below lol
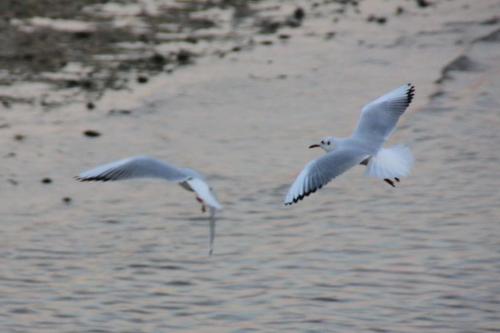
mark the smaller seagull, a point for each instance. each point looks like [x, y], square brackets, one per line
[147, 167]
[365, 146]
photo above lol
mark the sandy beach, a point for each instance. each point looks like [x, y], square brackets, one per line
[358, 256]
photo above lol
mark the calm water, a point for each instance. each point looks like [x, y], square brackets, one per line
[358, 256]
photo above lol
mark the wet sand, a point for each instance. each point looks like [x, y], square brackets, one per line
[356, 256]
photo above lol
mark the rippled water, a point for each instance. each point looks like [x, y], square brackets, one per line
[357, 256]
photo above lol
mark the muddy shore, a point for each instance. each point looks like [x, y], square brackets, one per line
[83, 49]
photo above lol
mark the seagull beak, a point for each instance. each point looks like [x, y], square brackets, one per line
[314, 146]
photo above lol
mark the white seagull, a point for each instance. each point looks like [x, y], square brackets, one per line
[147, 167]
[365, 146]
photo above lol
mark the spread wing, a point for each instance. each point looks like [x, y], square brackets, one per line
[135, 167]
[379, 118]
[319, 172]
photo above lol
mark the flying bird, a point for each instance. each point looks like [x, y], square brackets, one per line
[365, 146]
[147, 167]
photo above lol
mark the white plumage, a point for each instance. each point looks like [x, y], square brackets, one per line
[377, 122]
[390, 163]
[147, 167]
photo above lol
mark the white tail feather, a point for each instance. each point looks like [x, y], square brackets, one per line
[390, 163]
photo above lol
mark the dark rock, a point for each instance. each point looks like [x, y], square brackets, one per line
[184, 57]
[144, 38]
[111, 221]
[202, 23]
[142, 79]
[82, 34]
[284, 36]
[19, 137]
[376, 19]
[119, 112]
[71, 83]
[295, 20]
[28, 56]
[326, 299]
[66, 200]
[90, 106]
[46, 180]
[158, 59]
[269, 27]
[191, 39]
[91, 133]
[423, 3]
[330, 35]
[400, 10]
[299, 14]
[85, 84]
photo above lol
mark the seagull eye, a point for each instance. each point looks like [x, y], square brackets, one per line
[322, 142]
[328, 143]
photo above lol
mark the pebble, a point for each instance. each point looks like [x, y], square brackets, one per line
[91, 133]
[46, 180]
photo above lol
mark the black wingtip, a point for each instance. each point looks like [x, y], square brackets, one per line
[302, 196]
[410, 93]
[89, 179]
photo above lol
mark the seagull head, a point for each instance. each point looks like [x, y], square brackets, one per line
[327, 144]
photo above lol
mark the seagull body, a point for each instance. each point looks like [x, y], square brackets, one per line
[147, 167]
[365, 146]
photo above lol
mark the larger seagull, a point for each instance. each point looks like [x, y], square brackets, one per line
[147, 167]
[365, 146]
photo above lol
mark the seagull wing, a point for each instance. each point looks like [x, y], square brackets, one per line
[204, 192]
[379, 118]
[319, 172]
[135, 167]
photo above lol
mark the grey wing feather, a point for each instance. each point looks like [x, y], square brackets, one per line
[319, 172]
[135, 167]
[379, 118]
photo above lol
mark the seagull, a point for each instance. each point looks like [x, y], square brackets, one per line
[147, 167]
[365, 146]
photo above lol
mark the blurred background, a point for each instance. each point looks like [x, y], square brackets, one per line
[238, 90]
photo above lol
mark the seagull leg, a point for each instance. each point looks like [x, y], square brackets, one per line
[396, 179]
[390, 182]
[203, 208]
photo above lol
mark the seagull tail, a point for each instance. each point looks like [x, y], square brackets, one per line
[391, 163]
